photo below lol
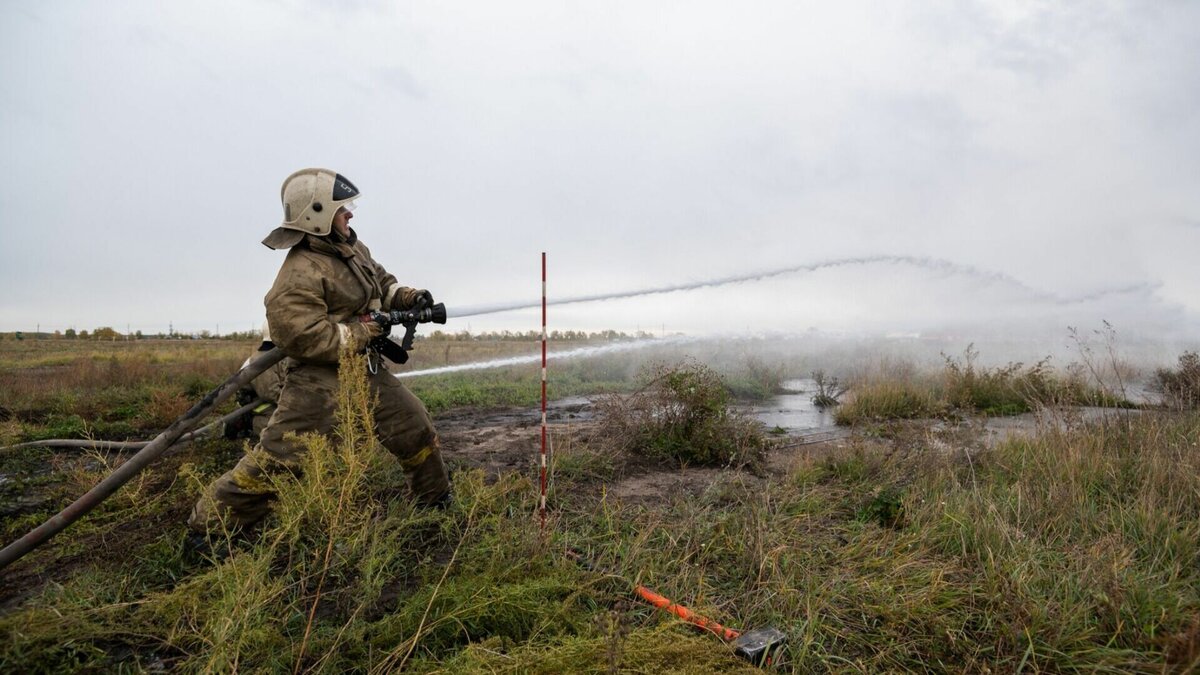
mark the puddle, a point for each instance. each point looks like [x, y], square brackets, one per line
[794, 410]
[573, 408]
[1141, 393]
[1000, 429]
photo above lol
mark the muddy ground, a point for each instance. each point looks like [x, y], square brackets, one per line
[506, 440]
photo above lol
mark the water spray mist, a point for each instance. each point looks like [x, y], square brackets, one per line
[938, 265]
[579, 353]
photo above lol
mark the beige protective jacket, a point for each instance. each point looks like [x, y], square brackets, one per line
[324, 282]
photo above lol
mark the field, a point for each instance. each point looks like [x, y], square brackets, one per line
[914, 541]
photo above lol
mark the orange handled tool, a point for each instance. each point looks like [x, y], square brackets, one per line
[665, 604]
[762, 646]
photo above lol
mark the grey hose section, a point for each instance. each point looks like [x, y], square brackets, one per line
[134, 445]
[139, 461]
[813, 436]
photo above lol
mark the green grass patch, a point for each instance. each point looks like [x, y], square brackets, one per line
[513, 386]
[888, 401]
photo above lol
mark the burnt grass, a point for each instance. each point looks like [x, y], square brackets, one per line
[908, 545]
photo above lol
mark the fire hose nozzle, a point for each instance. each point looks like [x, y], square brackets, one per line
[434, 314]
[408, 317]
[437, 313]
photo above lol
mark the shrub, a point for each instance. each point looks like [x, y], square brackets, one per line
[1180, 387]
[1006, 390]
[829, 390]
[683, 414]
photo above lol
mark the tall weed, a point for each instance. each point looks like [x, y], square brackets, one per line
[1005, 390]
[1180, 387]
[683, 414]
[888, 400]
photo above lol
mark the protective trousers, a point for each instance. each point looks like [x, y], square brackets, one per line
[243, 495]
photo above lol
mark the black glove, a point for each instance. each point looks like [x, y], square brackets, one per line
[424, 299]
[245, 396]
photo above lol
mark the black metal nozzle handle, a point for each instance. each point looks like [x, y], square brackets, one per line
[435, 314]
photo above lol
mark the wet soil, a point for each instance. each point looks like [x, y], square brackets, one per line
[506, 440]
[503, 440]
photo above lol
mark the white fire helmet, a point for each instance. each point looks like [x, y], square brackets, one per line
[310, 198]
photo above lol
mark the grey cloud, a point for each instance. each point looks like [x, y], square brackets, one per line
[400, 79]
[153, 137]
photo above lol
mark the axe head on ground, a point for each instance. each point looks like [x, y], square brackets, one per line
[761, 646]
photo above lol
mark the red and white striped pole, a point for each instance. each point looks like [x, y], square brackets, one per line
[542, 506]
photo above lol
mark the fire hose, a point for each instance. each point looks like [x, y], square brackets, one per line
[143, 458]
[135, 445]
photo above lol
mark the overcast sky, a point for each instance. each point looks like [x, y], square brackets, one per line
[1045, 156]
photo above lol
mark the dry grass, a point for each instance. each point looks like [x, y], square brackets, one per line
[54, 388]
[1075, 550]
[964, 387]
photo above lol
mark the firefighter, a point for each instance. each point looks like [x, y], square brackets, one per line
[327, 282]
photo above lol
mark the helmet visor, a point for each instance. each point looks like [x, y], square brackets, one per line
[343, 189]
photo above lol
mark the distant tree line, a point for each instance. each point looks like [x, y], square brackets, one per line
[108, 333]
